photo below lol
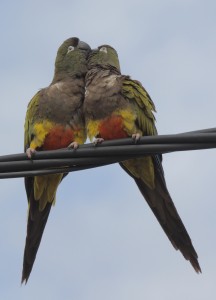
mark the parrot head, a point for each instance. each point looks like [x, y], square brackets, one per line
[71, 58]
[105, 57]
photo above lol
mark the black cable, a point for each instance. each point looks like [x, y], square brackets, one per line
[109, 152]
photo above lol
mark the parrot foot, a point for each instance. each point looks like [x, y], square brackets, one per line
[30, 152]
[98, 141]
[73, 145]
[136, 137]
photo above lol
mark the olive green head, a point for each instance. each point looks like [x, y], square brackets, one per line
[71, 58]
[105, 57]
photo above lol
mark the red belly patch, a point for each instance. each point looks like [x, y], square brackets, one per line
[112, 128]
[58, 137]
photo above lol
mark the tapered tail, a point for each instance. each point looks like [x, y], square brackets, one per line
[36, 223]
[164, 209]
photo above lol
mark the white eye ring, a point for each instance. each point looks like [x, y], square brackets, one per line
[103, 49]
[70, 48]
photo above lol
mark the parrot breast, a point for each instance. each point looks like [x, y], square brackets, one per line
[120, 124]
[112, 128]
[52, 136]
[58, 137]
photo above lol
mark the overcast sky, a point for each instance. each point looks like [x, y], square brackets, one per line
[102, 241]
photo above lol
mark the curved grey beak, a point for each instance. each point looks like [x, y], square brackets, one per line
[84, 46]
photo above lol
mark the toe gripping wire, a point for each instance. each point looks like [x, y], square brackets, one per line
[109, 152]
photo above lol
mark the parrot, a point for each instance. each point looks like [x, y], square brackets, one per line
[115, 107]
[54, 120]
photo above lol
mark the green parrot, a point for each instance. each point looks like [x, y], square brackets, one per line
[54, 120]
[116, 106]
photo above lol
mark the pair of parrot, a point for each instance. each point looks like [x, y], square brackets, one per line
[88, 96]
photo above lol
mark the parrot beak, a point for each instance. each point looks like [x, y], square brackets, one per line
[84, 46]
[93, 52]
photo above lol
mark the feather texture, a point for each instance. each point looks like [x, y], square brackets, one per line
[54, 119]
[116, 106]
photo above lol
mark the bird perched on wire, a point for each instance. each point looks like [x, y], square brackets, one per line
[116, 106]
[54, 120]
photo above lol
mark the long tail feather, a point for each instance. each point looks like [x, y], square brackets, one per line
[36, 223]
[164, 209]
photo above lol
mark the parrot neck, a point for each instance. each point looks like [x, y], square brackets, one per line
[61, 76]
[97, 67]
[100, 71]
[66, 70]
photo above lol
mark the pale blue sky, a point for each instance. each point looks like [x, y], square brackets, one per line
[102, 241]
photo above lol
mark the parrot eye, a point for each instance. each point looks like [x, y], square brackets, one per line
[70, 48]
[103, 49]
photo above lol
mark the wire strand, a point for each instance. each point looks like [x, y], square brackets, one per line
[90, 156]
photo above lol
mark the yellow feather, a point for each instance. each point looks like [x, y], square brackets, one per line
[40, 183]
[128, 117]
[92, 128]
[142, 168]
[40, 131]
[45, 188]
[79, 136]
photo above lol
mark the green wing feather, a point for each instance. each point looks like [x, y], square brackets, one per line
[142, 170]
[29, 120]
[144, 106]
